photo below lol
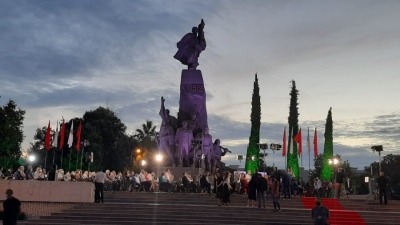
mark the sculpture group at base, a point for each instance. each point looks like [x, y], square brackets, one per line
[189, 144]
[186, 141]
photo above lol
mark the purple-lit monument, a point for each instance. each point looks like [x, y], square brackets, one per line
[193, 95]
[192, 139]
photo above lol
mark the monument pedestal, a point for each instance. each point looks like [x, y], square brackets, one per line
[192, 98]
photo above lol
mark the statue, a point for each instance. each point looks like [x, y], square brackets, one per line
[167, 135]
[194, 125]
[205, 147]
[217, 152]
[183, 142]
[169, 120]
[190, 47]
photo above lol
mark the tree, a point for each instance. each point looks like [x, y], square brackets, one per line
[37, 148]
[316, 172]
[326, 173]
[254, 139]
[318, 161]
[147, 144]
[293, 119]
[103, 129]
[148, 131]
[11, 134]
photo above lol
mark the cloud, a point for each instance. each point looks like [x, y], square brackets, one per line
[64, 58]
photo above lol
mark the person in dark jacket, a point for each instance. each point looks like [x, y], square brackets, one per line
[286, 182]
[320, 213]
[382, 183]
[252, 192]
[261, 190]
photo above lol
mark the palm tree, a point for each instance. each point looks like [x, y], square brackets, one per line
[148, 131]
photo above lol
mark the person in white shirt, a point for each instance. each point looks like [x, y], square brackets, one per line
[38, 174]
[99, 184]
[60, 175]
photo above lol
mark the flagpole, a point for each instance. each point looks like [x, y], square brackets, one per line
[62, 155]
[309, 150]
[69, 164]
[54, 154]
[77, 161]
[83, 149]
[45, 160]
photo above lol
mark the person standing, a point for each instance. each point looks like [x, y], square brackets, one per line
[286, 185]
[275, 194]
[99, 185]
[320, 213]
[339, 181]
[226, 189]
[382, 183]
[261, 190]
[11, 208]
[252, 192]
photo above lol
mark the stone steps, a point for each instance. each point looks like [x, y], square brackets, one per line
[177, 208]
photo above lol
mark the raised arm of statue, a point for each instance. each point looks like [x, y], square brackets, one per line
[225, 151]
[200, 37]
[162, 113]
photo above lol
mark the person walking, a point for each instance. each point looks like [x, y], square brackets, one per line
[275, 193]
[99, 185]
[320, 213]
[261, 190]
[11, 208]
[286, 185]
[252, 192]
[382, 183]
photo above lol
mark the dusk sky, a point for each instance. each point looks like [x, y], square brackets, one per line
[62, 58]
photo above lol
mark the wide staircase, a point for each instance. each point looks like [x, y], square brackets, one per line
[179, 208]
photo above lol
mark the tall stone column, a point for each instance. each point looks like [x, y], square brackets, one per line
[192, 98]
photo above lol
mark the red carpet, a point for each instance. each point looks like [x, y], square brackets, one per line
[338, 215]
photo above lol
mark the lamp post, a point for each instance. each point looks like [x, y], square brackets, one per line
[379, 149]
[263, 147]
[159, 158]
[275, 147]
[85, 143]
[334, 162]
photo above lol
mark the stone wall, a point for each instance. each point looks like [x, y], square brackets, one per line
[49, 191]
[36, 209]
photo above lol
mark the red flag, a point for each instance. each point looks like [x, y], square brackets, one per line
[298, 139]
[47, 141]
[315, 143]
[78, 136]
[62, 135]
[284, 143]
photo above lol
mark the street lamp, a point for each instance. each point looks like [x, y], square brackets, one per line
[143, 162]
[31, 158]
[158, 158]
[263, 147]
[379, 149]
[138, 150]
[334, 162]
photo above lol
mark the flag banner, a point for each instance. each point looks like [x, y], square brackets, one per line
[284, 143]
[308, 141]
[71, 135]
[78, 136]
[55, 141]
[291, 142]
[315, 144]
[62, 135]
[47, 140]
[298, 139]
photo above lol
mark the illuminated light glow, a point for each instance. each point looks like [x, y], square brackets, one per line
[32, 158]
[159, 157]
[143, 162]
